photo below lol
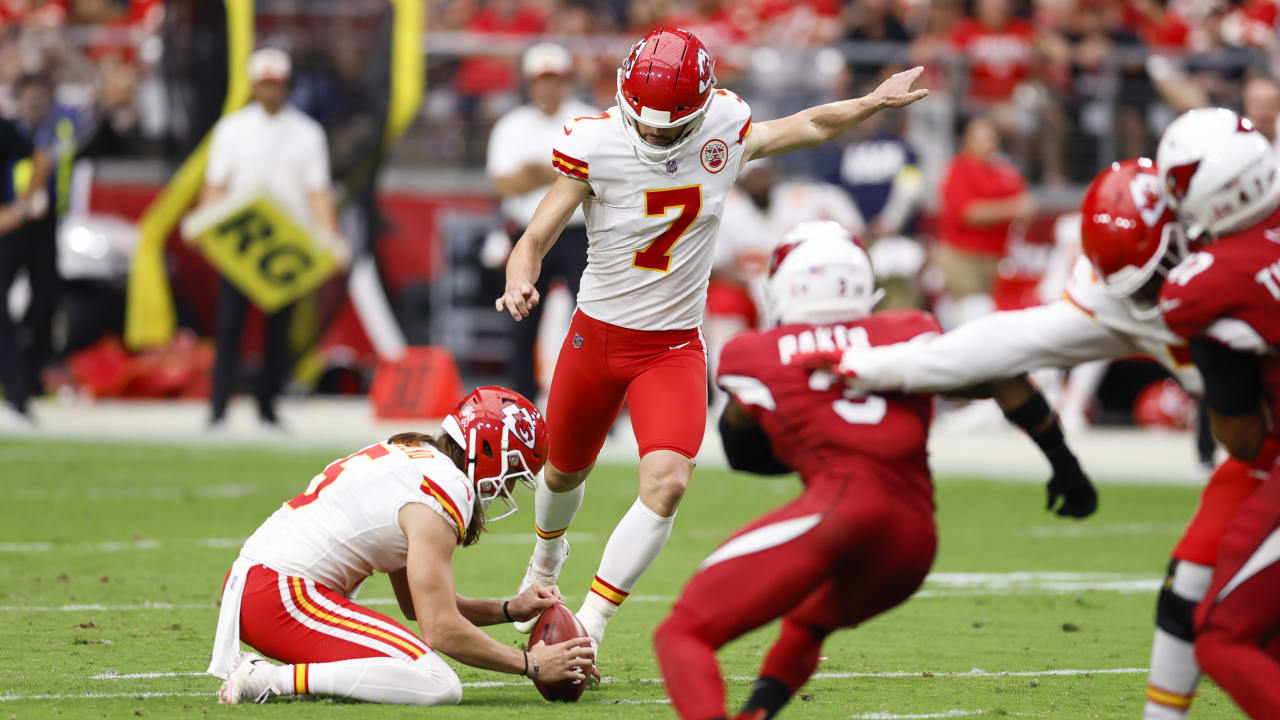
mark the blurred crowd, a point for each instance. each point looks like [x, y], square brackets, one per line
[85, 60]
[1098, 76]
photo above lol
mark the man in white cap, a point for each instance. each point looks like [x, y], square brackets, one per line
[517, 163]
[267, 145]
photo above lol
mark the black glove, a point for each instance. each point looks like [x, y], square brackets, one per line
[1072, 486]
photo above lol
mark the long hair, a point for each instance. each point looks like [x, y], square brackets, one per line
[458, 455]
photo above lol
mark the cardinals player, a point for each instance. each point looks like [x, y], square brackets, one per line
[399, 507]
[651, 174]
[861, 536]
[1221, 175]
[1131, 242]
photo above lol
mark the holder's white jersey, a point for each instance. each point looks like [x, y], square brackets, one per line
[651, 229]
[346, 525]
[1087, 325]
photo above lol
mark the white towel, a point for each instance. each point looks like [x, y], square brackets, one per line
[226, 643]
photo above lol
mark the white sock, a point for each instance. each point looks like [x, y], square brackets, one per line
[632, 548]
[425, 681]
[553, 513]
[1174, 674]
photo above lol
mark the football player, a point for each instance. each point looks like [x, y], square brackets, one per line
[861, 537]
[1220, 174]
[1130, 241]
[399, 507]
[651, 174]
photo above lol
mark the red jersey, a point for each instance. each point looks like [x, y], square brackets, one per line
[969, 179]
[1230, 292]
[999, 59]
[816, 424]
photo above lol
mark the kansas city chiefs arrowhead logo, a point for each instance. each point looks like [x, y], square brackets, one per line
[1147, 198]
[520, 423]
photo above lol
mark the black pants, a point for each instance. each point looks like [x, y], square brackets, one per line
[232, 306]
[566, 260]
[26, 346]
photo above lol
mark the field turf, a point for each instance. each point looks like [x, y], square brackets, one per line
[112, 556]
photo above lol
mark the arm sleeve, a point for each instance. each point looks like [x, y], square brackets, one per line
[748, 449]
[1232, 379]
[995, 346]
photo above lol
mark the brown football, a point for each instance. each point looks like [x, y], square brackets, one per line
[557, 625]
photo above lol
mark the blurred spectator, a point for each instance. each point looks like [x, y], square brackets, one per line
[880, 170]
[487, 85]
[983, 199]
[519, 164]
[1261, 101]
[1001, 50]
[19, 203]
[267, 145]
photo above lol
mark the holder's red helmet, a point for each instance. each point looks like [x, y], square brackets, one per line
[667, 80]
[505, 439]
[1128, 233]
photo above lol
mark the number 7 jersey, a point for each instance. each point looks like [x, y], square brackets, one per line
[816, 424]
[651, 228]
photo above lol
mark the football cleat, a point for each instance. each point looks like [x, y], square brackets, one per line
[249, 681]
[533, 577]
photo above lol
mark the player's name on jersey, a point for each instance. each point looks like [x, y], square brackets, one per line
[256, 244]
[825, 337]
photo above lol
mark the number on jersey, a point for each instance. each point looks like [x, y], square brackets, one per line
[331, 473]
[657, 254]
[853, 406]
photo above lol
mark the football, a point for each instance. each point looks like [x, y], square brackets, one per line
[557, 625]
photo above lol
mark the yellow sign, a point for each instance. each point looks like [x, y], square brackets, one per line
[263, 252]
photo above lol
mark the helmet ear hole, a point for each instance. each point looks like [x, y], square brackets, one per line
[487, 449]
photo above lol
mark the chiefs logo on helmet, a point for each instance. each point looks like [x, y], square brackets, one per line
[705, 78]
[519, 423]
[632, 56]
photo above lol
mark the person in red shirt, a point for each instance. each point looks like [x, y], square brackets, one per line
[999, 47]
[983, 198]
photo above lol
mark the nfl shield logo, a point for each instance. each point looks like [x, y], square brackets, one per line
[672, 166]
[577, 341]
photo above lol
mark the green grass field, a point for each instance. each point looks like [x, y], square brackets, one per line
[95, 540]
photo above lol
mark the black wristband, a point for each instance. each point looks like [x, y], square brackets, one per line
[506, 613]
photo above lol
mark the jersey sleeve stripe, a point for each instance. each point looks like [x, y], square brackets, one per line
[300, 679]
[303, 602]
[446, 502]
[569, 160]
[1066, 295]
[566, 169]
[745, 131]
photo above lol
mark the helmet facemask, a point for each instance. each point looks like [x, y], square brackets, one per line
[1139, 288]
[512, 467]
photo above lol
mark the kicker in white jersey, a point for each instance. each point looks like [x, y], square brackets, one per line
[652, 227]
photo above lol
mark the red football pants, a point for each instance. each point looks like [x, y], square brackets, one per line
[299, 621]
[1236, 625]
[662, 374]
[844, 551]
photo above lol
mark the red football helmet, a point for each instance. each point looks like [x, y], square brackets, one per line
[666, 81]
[505, 439]
[1128, 232]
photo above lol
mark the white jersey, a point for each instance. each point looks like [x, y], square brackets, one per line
[1087, 325]
[651, 229]
[346, 525]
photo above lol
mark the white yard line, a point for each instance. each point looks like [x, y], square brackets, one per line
[938, 585]
[923, 715]
[220, 543]
[1115, 530]
[199, 492]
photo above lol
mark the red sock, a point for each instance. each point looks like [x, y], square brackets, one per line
[688, 664]
[794, 657]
